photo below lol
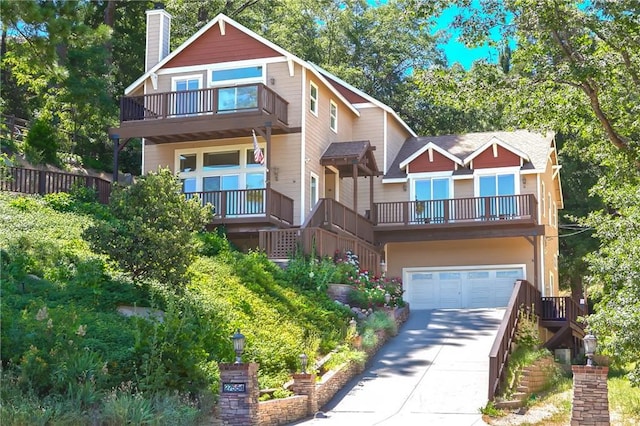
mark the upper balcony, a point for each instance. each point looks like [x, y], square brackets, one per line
[212, 113]
[456, 218]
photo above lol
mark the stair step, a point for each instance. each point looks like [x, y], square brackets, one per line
[508, 405]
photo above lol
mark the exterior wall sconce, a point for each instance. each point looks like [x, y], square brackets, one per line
[524, 181]
[238, 345]
[383, 268]
[272, 81]
[304, 359]
[590, 346]
[275, 173]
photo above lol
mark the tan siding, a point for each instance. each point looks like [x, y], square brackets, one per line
[153, 40]
[493, 251]
[158, 156]
[212, 47]
[463, 188]
[396, 135]
[287, 87]
[164, 81]
[166, 36]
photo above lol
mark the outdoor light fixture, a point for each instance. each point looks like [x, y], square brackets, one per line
[590, 345]
[387, 298]
[383, 267]
[304, 359]
[238, 345]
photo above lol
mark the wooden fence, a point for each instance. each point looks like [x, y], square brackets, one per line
[31, 181]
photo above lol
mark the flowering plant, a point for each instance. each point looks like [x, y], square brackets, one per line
[368, 290]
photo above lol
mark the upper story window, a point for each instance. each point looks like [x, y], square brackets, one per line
[313, 99]
[497, 187]
[187, 162]
[333, 113]
[429, 195]
[542, 200]
[240, 75]
[186, 100]
[220, 160]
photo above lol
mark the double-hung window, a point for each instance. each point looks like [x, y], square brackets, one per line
[430, 196]
[313, 99]
[237, 87]
[333, 116]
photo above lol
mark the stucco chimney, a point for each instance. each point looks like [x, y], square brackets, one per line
[158, 35]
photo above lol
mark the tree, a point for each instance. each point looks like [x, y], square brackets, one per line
[151, 232]
[581, 63]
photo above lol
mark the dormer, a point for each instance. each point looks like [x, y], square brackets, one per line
[431, 158]
[496, 153]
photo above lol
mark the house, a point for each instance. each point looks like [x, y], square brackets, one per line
[458, 217]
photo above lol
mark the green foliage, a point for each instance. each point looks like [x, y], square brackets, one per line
[527, 335]
[41, 143]
[491, 410]
[310, 273]
[151, 233]
[212, 243]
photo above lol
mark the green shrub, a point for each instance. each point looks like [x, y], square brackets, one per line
[41, 143]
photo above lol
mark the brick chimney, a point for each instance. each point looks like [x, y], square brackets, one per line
[158, 35]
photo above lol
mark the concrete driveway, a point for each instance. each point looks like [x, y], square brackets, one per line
[434, 372]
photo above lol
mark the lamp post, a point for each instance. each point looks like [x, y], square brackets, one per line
[304, 359]
[238, 345]
[590, 345]
[383, 268]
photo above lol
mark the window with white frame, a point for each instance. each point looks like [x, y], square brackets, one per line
[186, 99]
[313, 191]
[238, 87]
[555, 214]
[499, 189]
[313, 99]
[430, 195]
[333, 116]
[542, 198]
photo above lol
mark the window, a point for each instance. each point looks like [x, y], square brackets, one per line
[333, 113]
[187, 162]
[430, 196]
[186, 100]
[555, 215]
[542, 205]
[242, 75]
[313, 191]
[220, 160]
[497, 187]
[251, 158]
[313, 99]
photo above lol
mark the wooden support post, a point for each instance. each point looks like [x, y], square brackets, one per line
[355, 193]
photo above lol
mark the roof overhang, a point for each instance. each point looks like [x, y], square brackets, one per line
[430, 147]
[343, 156]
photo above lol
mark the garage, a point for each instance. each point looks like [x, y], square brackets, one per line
[456, 288]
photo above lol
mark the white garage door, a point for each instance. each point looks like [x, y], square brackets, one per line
[464, 288]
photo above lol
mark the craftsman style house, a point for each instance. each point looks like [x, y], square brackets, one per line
[458, 217]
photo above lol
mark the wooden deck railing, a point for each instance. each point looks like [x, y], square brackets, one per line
[283, 243]
[31, 181]
[501, 207]
[526, 296]
[242, 203]
[212, 101]
[331, 213]
[560, 308]
[14, 128]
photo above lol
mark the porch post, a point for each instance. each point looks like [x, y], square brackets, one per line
[355, 194]
[268, 139]
[116, 152]
[371, 196]
[536, 264]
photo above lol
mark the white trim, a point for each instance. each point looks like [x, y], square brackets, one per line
[385, 141]
[303, 138]
[186, 77]
[478, 173]
[314, 111]
[468, 268]
[313, 176]
[426, 147]
[365, 105]
[430, 176]
[241, 171]
[242, 28]
[146, 44]
[395, 180]
[333, 119]
[222, 28]
[542, 199]
[542, 262]
[367, 97]
[160, 39]
[224, 65]
[142, 162]
[492, 142]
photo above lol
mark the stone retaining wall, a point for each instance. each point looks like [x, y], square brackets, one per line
[282, 411]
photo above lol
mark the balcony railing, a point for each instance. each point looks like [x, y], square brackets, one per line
[501, 207]
[246, 203]
[210, 101]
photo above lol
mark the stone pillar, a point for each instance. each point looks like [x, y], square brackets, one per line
[239, 392]
[590, 396]
[305, 384]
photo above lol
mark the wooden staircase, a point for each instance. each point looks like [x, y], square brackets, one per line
[557, 314]
[331, 227]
